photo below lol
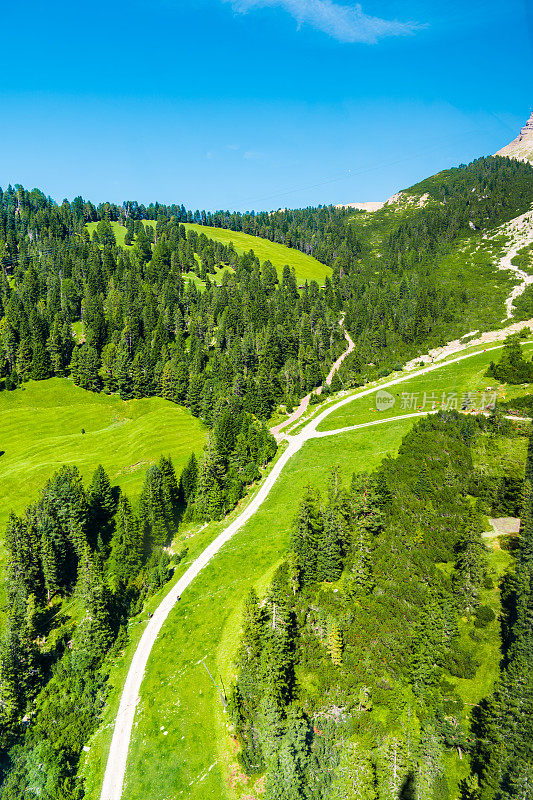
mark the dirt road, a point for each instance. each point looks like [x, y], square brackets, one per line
[302, 408]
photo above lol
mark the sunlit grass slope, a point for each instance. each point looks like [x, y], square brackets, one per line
[41, 429]
[420, 393]
[306, 267]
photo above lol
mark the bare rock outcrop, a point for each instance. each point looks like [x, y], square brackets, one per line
[522, 146]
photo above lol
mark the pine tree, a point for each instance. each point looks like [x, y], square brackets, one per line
[10, 699]
[471, 563]
[392, 767]
[329, 555]
[139, 376]
[153, 512]
[40, 366]
[294, 757]
[189, 479]
[55, 348]
[123, 375]
[168, 381]
[270, 730]
[423, 485]
[101, 508]
[225, 433]
[355, 777]
[126, 545]
[24, 359]
[49, 562]
[252, 630]
[22, 543]
[84, 367]
[171, 493]
[210, 495]
[306, 536]
[94, 632]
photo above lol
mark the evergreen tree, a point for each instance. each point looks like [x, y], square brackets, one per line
[471, 564]
[355, 775]
[189, 479]
[126, 545]
[329, 555]
[49, 562]
[102, 507]
[306, 536]
[210, 495]
[40, 367]
[153, 511]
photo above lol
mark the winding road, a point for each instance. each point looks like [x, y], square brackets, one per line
[302, 408]
[118, 752]
[521, 229]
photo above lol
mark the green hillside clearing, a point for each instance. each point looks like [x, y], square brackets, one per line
[306, 267]
[119, 231]
[120, 234]
[41, 428]
[420, 393]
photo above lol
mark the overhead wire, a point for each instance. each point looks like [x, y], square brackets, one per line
[350, 172]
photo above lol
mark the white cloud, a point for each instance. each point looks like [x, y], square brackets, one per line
[252, 155]
[345, 23]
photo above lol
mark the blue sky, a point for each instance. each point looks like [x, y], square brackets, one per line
[256, 103]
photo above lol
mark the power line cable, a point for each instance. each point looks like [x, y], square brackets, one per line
[350, 172]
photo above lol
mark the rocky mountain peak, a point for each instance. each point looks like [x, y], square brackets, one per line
[522, 146]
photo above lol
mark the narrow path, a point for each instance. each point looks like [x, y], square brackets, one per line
[521, 229]
[302, 408]
[400, 417]
[118, 752]
[320, 434]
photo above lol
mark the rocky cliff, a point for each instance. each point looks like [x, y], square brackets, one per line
[522, 146]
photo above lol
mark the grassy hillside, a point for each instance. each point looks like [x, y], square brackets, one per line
[450, 381]
[306, 267]
[469, 264]
[41, 428]
[119, 231]
[120, 234]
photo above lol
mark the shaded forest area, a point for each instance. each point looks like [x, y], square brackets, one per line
[81, 563]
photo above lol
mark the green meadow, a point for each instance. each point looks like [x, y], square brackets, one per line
[433, 391]
[306, 267]
[41, 428]
[119, 231]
